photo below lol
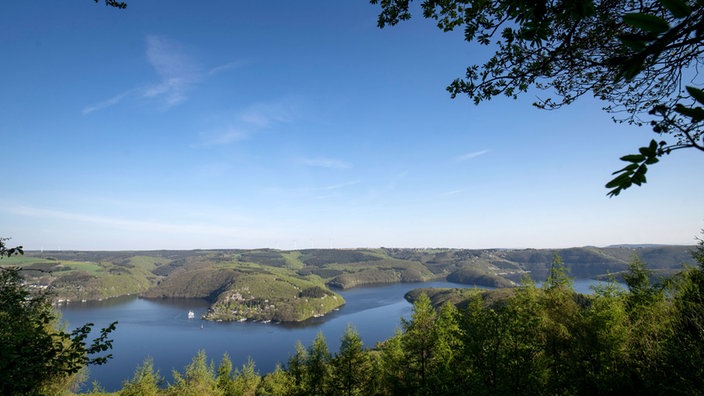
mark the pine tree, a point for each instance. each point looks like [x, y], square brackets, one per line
[224, 379]
[297, 369]
[198, 379]
[351, 364]
[145, 381]
[419, 341]
[318, 370]
[246, 380]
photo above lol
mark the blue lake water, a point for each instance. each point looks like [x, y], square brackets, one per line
[160, 329]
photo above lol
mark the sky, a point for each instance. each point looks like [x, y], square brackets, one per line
[290, 125]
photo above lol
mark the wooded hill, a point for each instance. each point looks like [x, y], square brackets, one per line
[266, 284]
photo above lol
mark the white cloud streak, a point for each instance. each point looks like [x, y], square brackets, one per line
[252, 120]
[469, 156]
[329, 163]
[177, 72]
[128, 224]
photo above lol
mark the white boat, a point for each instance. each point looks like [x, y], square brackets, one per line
[191, 315]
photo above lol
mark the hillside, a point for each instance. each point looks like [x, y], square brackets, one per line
[267, 284]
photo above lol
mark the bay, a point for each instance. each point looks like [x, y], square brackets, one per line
[161, 330]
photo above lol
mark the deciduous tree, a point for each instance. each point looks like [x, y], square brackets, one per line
[34, 354]
[636, 56]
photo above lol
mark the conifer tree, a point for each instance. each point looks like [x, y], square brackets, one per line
[276, 383]
[419, 342]
[318, 370]
[297, 369]
[246, 380]
[198, 379]
[224, 379]
[351, 364]
[145, 381]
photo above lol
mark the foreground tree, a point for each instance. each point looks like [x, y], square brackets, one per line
[686, 347]
[36, 357]
[145, 381]
[418, 342]
[351, 364]
[198, 379]
[297, 369]
[318, 369]
[633, 55]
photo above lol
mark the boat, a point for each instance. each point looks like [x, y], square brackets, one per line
[191, 315]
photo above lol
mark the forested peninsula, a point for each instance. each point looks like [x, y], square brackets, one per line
[292, 286]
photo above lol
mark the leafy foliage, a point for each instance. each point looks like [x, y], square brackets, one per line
[632, 55]
[115, 3]
[36, 357]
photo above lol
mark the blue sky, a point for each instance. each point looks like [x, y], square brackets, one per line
[295, 125]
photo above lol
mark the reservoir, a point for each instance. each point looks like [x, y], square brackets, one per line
[161, 329]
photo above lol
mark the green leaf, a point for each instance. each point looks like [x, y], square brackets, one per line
[629, 169]
[633, 158]
[678, 8]
[619, 180]
[696, 93]
[647, 22]
[653, 146]
[614, 192]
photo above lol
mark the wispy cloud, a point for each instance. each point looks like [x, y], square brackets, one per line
[329, 163]
[134, 225]
[469, 156]
[337, 186]
[450, 193]
[251, 120]
[109, 102]
[177, 74]
[227, 135]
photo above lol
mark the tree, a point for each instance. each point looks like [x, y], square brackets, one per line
[115, 3]
[198, 379]
[418, 341]
[144, 383]
[558, 277]
[393, 365]
[686, 347]
[447, 335]
[8, 252]
[34, 355]
[224, 376]
[318, 367]
[351, 364]
[297, 368]
[633, 55]
[276, 383]
[246, 380]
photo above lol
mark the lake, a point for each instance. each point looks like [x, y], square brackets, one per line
[161, 329]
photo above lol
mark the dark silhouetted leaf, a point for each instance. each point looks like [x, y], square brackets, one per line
[678, 8]
[697, 94]
[633, 158]
[647, 22]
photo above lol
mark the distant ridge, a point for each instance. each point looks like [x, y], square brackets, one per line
[641, 245]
